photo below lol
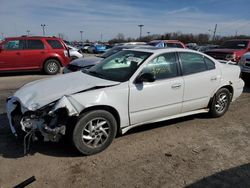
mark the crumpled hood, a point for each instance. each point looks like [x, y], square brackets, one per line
[86, 61]
[42, 92]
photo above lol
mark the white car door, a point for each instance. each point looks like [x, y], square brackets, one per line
[153, 101]
[201, 79]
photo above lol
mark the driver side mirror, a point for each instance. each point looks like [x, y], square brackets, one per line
[145, 77]
[1, 48]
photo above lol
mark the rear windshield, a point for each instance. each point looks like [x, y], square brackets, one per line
[153, 43]
[174, 45]
[235, 45]
[55, 44]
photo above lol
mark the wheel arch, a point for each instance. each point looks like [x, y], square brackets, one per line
[230, 89]
[55, 58]
[107, 108]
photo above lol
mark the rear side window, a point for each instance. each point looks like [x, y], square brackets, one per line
[192, 63]
[55, 44]
[14, 45]
[35, 44]
[210, 64]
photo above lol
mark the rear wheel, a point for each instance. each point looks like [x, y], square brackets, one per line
[51, 66]
[94, 132]
[220, 102]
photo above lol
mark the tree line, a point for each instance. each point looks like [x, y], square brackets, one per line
[185, 38]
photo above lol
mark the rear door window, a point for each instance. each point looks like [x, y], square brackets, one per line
[35, 44]
[192, 63]
[55, 44]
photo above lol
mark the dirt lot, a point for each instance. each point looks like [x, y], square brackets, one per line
[189, 152]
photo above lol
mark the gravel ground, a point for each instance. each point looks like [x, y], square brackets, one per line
[195, 151]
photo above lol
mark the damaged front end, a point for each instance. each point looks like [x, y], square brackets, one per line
[48, 122]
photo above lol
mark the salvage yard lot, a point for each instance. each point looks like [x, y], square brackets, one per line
[195, 151]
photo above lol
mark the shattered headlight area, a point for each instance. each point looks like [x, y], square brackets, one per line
[47, 122]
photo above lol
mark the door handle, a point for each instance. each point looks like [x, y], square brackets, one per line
[18, 53]
[42, 52]
[175, 86]
[213, 78]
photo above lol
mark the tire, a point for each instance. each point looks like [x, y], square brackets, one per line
[51, 66]
[89, 140]
[220, 103]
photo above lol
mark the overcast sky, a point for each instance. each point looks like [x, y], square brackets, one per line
[109, 17]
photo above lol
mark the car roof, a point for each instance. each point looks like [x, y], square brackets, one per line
[155, 50]
[169, 41]
[32, 37]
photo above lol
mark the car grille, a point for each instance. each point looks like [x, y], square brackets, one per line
[73, 67]
[218, 55]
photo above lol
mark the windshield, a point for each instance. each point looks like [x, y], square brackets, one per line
[235, 45]
[120, 66]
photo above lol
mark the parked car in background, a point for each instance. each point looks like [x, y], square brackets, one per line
[33, 53]
[96, 48]
[84, 47]
[192, 46]
[134, 43]
[128, 89]
[167, 43]
[244, 63]
[231, 50]
[75, 53]
[87, 62]
[205, 48]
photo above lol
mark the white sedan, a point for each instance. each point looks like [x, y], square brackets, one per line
[128, 89]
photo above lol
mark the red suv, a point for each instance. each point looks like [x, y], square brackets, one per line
[231, 50]
[33, 53]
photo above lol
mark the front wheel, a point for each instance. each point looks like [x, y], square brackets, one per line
[94, 132]
[220, 102]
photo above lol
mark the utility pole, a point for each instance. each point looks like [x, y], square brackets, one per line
[236, 33]
[43, 26]
[81, 35]
[148, 33]
[101, 37]
[140, 29]
[28, 32]
[2, 35]
[215, 29]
